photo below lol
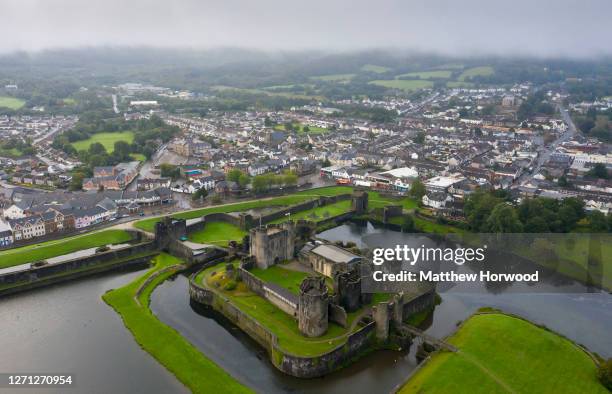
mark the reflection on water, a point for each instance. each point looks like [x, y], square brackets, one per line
[67, 328]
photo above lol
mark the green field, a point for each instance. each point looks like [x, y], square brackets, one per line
[106, 139]
[505, 354]
[11, 102]
[166, 345]
[69, 101]
[426, 74]
[285, 327]
[283, 277]
[149, 224]
[319, 213]
[13, 152]
[291, 95]
[403, 84]
[334, 77]
[138, 157]
[218, 233]
[459, 84]
[45, 250]
[476, 71]
[375, 69]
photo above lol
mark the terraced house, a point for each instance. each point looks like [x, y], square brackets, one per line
[27, 228]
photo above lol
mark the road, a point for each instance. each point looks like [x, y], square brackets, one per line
[115, 104]
[550, 149]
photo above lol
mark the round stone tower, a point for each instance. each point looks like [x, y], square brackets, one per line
[312, 308]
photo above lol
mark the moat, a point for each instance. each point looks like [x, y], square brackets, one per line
[70, 333]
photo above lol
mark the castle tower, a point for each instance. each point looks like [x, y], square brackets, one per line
[313, 307]
[359, 202]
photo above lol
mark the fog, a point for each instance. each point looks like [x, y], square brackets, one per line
[570, 28]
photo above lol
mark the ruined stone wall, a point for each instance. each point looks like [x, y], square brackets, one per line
[420, 303]
[252, 282]
[260, 288]
[319, 202]
[313, 307]
[337, 314]
[391, 211]
[297, 366]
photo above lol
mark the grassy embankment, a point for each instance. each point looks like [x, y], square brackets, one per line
[11, 102]
[167, 346]
[45, 250]
[106, 139]
[149, 224]
[499, 353]
[285, 327]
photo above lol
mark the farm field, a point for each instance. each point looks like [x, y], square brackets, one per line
[11, 102]
[476, 71]
[403, 84]
[334, 77]
[426, 74]
[106, 139]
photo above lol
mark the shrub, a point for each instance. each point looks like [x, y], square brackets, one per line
[230, 285]
[605, 373]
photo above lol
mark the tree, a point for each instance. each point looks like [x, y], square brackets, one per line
[597, 222]
[536, 225]
[122, 150]
[76, 183]
[417, 189]
[234, 175]
[97, 149]
[244, 180]
[478, 206]
[290, 179]
[562, 181]
[408, 225]
[170, 171]
[503, 219]
[305, 129]
[598, 171]
[419, 138]
[268, 122]
[199, 194]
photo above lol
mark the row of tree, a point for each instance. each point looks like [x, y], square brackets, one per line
[492, 212]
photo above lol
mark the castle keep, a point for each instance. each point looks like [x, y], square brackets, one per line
[272, 244]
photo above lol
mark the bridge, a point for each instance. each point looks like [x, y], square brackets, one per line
[435, 342]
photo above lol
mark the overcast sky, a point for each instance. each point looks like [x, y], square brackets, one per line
[457, 27]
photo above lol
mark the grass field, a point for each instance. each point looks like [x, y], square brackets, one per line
[459, 84]
[427, 74]
[504, 354]
[45, 250]
[334, 77]
[283, 277]
[149, 224]
[476, 71]
[13, 152]
[375, 69]
[138, 157]
[106, 139]
[291, 95]
[11, 102]
[319, 213]
[69, 101]
[403, 84]
[218, 233]
[271, 317]
[188, 364]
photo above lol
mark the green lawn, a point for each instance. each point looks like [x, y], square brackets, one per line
[13, 152]
[375, 69]
[69, 101]
[426, 74]
[376, 200]
[499, 354]
[11, 102]
[138, 157]
[300, 128]
[188, 364]
[106, 139]
[476, 71]
[218, 233]
[280, 323]
[45, 250]
[283, 277]
[403, 84]
[319, 213]
[334, 77]
[149, 224]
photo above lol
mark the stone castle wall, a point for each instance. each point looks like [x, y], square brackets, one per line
[297, 366]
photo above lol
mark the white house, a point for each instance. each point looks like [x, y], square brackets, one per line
[437, 200]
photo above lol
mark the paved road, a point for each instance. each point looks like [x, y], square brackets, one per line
[550, 149]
